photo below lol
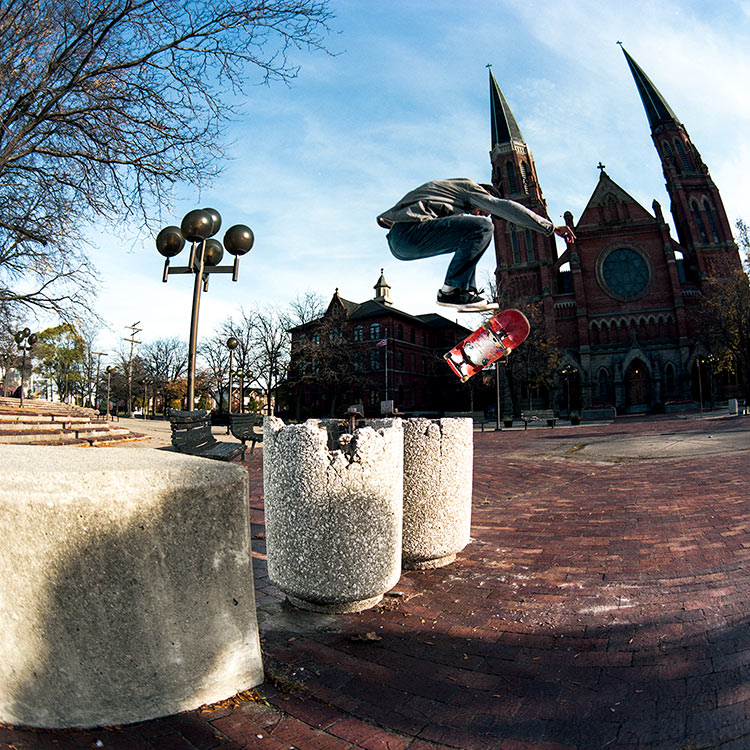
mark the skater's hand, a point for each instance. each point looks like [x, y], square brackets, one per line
[566, 233]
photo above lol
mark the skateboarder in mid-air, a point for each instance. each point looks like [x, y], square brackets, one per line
[451, 216]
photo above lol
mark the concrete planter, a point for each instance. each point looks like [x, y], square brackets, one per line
[334, 508]
[126, 585]
[438, 458]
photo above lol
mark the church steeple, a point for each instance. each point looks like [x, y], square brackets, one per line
[524, 258]
[699, 216]
[504, 126]
[513, 170]
[657, 109]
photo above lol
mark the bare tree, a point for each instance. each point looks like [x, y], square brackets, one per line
[105, 103]
[269, 348]
[215, 355]
[165, 362]
[305, 308]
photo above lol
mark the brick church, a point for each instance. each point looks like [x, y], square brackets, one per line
[622, 300]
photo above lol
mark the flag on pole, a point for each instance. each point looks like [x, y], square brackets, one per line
[381, 343]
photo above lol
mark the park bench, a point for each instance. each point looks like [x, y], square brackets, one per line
[538, 416]
[247, 427]
[191, 434]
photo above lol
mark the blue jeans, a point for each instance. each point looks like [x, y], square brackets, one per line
[464, 235]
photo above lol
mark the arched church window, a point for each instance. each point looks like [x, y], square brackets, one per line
[683, 156]
[529, 246]
[512, 181]
[514, 245]
[400, 332]
[699, 221]
[358, 333]
[669, 153]
[374, 331]
[525, 176]
[711, 219]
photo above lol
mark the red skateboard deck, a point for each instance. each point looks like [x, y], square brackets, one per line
[496, 338]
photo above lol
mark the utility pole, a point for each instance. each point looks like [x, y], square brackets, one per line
[133, 330]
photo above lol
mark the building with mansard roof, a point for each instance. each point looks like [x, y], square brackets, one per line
[368, 352]
[622, 300]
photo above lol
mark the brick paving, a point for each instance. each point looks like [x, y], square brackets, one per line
[601, 604]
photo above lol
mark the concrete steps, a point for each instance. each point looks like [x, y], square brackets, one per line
[54, 423]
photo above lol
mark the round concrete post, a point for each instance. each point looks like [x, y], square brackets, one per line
[126, 585]
[333, 505]
[438, 470]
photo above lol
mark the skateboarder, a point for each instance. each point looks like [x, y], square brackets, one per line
[451, 216]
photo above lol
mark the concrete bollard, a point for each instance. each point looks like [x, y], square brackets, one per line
[333, 505]
[438, 470]
[126, 585]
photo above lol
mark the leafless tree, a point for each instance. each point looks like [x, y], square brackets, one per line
[305, 308]
[269, 347]
[105, 103]
[214, 354]
[165, 363]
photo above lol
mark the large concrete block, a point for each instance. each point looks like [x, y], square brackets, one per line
[438, 471]
[126, 587]
[333, 504]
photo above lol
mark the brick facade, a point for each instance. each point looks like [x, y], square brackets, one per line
[394, 356]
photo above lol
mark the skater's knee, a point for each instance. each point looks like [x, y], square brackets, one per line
[484, 227]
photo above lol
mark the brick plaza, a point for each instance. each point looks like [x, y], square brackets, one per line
[601, 604]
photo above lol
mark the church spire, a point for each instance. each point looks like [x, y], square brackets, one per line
[699, 216]
[524, 258]
[504, 126]
[657, 109]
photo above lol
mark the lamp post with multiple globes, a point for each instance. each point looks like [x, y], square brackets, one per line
[198, 227]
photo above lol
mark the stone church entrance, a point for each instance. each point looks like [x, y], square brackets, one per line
[637, 387]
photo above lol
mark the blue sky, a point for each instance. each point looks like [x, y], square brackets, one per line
[405, 99]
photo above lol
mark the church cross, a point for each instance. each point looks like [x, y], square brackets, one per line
[600, 166]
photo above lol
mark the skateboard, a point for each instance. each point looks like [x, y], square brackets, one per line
[495, 338]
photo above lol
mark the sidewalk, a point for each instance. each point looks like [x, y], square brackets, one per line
[602, 603]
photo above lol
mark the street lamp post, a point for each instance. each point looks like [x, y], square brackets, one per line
[497, 396]
[567, 372]
[6, 364]
[108, 370]
[707, 360]
[25, 340]
[145, 382]
[241, 375]
[275, 392]
[205, 255]
[231, 345]
[99, 356]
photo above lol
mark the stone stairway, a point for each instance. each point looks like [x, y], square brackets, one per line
[41, 422]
